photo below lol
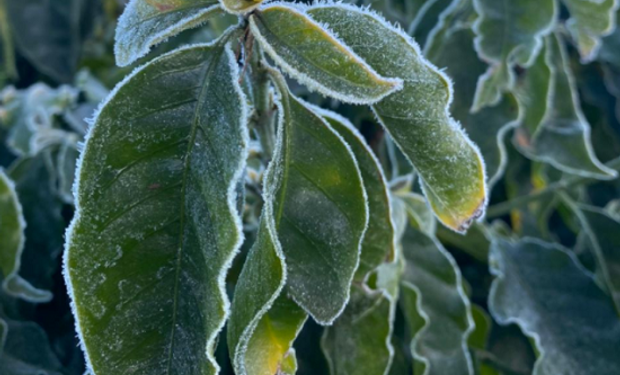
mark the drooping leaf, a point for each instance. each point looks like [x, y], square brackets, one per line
[145, 23]
[508, 33]
[359, 342]
[589, 21]
[379, 240]
[562, 139]
[12, 225]
[542, 288]
[416, 117]
[311, 54]
[436, 308]
[156, 223]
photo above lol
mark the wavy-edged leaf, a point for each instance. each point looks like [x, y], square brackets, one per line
[145, 23]
[589, 21]
[12, 225]
[542, 288]
[453, 50]
[378, 245]
[508, 33]
[436, 308]
[562, 138]
[311, 54]
[416, 117]
[359, 341]
[156, 224]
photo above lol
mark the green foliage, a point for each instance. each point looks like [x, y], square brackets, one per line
[302, 188]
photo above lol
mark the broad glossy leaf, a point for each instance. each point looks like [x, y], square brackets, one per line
[589, 21]
[417, 117]
[311, 54]
[145, 23]
[379, 240]
[435, 305]
[12, 225]
[542, 288]
[563, 137]
[508, 33]
[359, 341]
[156, 223]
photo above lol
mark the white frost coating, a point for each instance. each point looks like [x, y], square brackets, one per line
[309, 82]
[31, 294]
[503, 153]
[130, 45]
[76, 186]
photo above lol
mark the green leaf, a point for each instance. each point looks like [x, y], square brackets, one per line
[417, 117]
[8, 71]
[378, 245]
[240, 6]
[156, 223]
[145, 23]
[562, 139]
[12, 225]
[508, 33]
[311, 54]
[359, 341]
[589, 21]
[542, 288]
[420, 213]
[436, 308]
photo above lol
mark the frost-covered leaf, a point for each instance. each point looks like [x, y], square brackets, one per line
[12, 225]
[156, 223]
[379, 240]
[240, 6]
[359, 341]
[311, 54]
[431, 15]
[453, 50]
[435, 306]
[589, 21]
[66, 164]
[562, 136]
[508, 33]
[542, 288]
[416, 117]
[420, 213]
[145, 23]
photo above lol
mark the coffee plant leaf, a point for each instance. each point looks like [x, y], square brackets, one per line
[588, 22]
[417, 117]
[156, 223]
[563, 137]
[508, 34]
[542, 288]
[435, 306]
[311, 53]
[379, 240]
[12, 226]
[145, 23]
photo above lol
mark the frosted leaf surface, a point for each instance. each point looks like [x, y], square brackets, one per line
[417, 117]
[315, 57]
[145, 23]
[12, 225]
[156, 223]
[589, 21]
[508, 33]
[379, 240]
[542, 288]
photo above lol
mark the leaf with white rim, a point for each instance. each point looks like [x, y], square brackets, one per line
[589, 21]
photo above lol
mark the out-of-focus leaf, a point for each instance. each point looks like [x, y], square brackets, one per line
[563, 137]
[156, 223]
[50, 33]
[429, 17]
[589, 21]
[417, 117]
[66, 165]
[508, 33]
[453, 50]
[12, 225]
[474, 242]
[542, 288]
[240, 6]
[145, 23]
[316, 58]
[435, 305]
[378, 245]
[359, 342]
[420, 213]
[8, 70]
